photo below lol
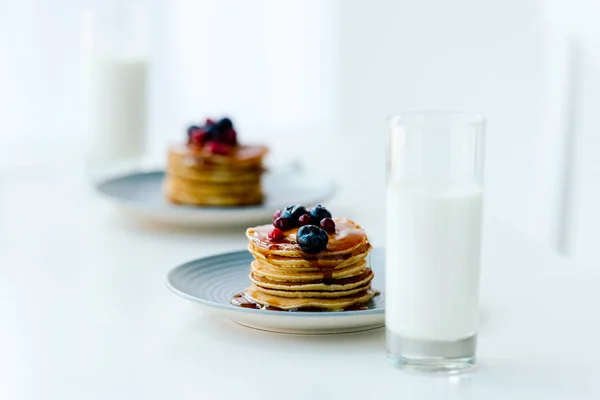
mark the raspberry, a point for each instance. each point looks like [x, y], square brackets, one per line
[282, 223]
[276, 234]
[197, 138]
[229, 137]
[328, 225]
[218, 148]
[304, 219]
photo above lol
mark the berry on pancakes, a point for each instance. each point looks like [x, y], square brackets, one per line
[224, 124]
[282, 223]
[317, 213]
[293, 212]
[276, 234]
[328, 225]
[218, 148]
[198, 138]
[312, 239]
[304, 219]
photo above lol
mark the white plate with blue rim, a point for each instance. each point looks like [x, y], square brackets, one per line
[211, 282]
[140, 194]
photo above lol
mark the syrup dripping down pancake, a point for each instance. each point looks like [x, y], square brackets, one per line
[285, 277]
[327, 304]
[263, 269]
[333, 285]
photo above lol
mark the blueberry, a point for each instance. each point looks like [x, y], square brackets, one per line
[191, 129]
[213, 133]
[312, 239]
[293, 212]
[229, 137]
[224, 124]
[317, 213]
[286, 212]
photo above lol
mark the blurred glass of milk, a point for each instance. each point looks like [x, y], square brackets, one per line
[115, 51]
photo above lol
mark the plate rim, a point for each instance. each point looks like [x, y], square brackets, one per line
[270, 313]
[332, 188]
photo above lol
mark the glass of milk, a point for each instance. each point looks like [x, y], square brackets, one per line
[115, 50]
[433, 239]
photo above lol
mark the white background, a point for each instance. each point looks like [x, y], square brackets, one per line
[305, 75]
[84, 313]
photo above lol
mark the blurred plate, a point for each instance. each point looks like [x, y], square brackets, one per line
[140, 193]
[212, 281]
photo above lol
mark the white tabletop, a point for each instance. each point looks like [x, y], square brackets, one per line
[84, 314]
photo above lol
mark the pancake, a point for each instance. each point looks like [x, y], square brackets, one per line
[184, 195]
[218, 176]
[285, 277]
[258, 296]
[207, 188]
[185, 198]
[198, 177]
[296, 261]
[260, 268]
[310, 294]
[337, 285]
[348, 240]
[240, 157]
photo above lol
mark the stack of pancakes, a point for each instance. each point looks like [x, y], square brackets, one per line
[199, 177]
[285, 277]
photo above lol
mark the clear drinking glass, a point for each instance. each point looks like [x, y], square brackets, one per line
[433, 224]
[115, 51]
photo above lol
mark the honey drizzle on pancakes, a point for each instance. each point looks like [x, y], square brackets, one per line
[242, 155]
[341, 281]
[241, 300]
[337, 278]
[347, 236]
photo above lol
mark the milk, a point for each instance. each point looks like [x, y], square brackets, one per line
[115, 104]
[432, 260]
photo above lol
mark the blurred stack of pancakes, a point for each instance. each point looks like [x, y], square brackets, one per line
[214, 170]
[199, 177]
[285, 277]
